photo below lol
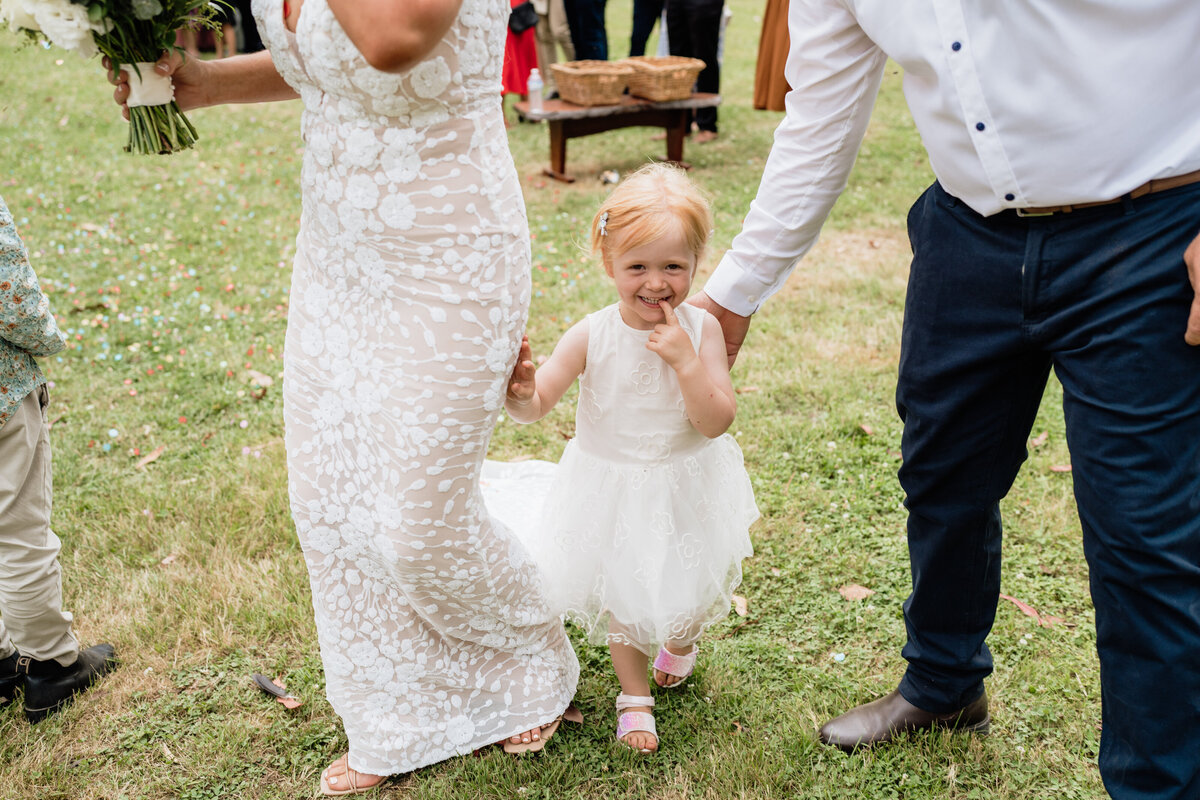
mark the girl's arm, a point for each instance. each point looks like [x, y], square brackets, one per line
[531, 397]
[394, 36]
[703, 376]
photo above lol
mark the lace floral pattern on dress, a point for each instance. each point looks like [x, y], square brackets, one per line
[411, 287]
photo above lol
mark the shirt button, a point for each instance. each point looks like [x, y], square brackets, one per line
[956, 46]
[979, 126]
[1010, 197]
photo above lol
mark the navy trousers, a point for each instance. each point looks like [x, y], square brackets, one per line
[585, 18]
[694, 30]
[1100, 295]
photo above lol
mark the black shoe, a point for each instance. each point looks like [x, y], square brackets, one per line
[879, 721]
[49, 685]
[10, 679]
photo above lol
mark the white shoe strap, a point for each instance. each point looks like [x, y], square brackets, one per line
[632, 701]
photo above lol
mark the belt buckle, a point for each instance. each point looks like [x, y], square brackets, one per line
[1021, 212]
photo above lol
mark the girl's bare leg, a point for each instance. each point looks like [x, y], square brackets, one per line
[630, 665]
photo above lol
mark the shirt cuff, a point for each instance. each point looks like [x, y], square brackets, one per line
[732, 287]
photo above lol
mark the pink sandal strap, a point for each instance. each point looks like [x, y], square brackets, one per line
[676, 666]
[632, 721]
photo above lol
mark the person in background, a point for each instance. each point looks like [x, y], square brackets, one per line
[553, 33]
[770, 83]
[225, 36]
[588, 34]
[645, 14]
[520, 56]
[250, 41]
[694, 30]
[38, 650]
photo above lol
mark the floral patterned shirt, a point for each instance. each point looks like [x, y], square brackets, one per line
[27, 326]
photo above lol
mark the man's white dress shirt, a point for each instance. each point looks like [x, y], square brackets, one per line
[1019, 103]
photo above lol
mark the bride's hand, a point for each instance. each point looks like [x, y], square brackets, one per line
[186, 74]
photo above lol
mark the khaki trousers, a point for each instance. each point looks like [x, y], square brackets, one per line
[31, 615]
[552, 32]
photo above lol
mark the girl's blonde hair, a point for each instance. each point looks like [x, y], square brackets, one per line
[648, 204]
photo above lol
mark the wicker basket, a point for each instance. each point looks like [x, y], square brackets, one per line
[663, 77]
[591, 83]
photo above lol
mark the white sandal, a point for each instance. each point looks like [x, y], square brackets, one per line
[331, 785]
[632, 721]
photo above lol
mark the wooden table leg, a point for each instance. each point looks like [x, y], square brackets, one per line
[676, 131]
[558, 153]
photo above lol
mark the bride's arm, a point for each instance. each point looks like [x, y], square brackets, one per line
[394, 35]
[250, 78]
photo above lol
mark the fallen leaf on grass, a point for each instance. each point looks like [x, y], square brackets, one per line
[1040, 439]
[746, 389]
[167, 561]
[151, 456]
[852, 591]
[867, 429]
[1031, 612]
[1061, 468]
[737, 727]
[740, 605]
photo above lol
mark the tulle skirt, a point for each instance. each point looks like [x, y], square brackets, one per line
[632, 553]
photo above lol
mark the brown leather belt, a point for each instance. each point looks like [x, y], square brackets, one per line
[1149, 187]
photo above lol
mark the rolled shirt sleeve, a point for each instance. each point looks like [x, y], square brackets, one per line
[835, 71]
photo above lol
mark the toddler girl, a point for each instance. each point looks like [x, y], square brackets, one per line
[645, 527]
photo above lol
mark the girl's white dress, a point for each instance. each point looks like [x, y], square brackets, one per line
[646, 519]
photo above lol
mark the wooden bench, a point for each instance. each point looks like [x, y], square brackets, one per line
[569, 121]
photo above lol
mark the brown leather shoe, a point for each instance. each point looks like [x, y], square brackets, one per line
[879, 721]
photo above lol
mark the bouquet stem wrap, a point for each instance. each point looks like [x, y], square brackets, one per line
[156, 125]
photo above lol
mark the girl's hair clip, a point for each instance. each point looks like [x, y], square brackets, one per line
[604, 224]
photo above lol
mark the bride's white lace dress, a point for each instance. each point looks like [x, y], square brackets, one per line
[409, 297]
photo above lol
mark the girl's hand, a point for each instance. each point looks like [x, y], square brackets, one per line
[671, 341]
[522, 383]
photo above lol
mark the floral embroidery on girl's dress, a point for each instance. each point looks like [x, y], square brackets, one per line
[646, 378]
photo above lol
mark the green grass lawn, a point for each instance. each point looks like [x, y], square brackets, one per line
[171, 276]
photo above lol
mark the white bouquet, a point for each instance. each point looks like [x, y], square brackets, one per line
[133, 34]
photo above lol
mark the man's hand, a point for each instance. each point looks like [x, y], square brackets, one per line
[521, 384]
[735, 326]
[1191, 257]
[670, 340]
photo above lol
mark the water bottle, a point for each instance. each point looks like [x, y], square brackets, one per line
[535, 90]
